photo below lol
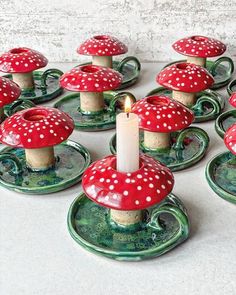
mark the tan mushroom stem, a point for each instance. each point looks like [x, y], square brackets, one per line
[200, 61]
[104, 61]
[155, 140]
[188, 99]
[126, 217]
[41, 158]
[91, 101]
[1, 115]
[24, 80]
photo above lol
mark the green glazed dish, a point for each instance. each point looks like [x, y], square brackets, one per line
[221, 176]
[222, 73]
[231, 87]
[129, 67]
[46, 86]
[71, 161]
[164, 227]
[208, 107]
[188, 147]
[103, 120]
[224, 121]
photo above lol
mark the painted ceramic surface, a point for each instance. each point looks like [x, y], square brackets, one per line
[221, 175]
[224, 121]
[221, 69]
[71, 161]
[46, 86]
[130, 68]
[100, 121]
[209, 103]
[90, 226]
[188, 147]
[231, 87]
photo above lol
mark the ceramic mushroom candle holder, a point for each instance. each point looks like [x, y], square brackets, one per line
[226, 119]
[91, 107]
[221, 170]
[198, 49]
[121, 215]
[102, 48]
[188, 84]
[40, 159]
[165, 132]
[21, 65]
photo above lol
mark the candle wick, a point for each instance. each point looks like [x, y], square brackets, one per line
[127, 114]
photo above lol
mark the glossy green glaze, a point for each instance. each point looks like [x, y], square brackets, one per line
[231, 87]
[164, 227]
[224, 121]
[129, 67]
[221, 176]
[208, 106]
[71, 161]
[46, 86]
[188, 147]
[94, 122]
[221, 69]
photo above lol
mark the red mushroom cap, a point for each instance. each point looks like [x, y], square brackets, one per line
[22, 60]
[102, 45]
[138, 190]
[185, 77]
[91, 78]
[232, 99]
[36, 127]
[9, 91]
[162, 114]
[199, 46]
[230, 139]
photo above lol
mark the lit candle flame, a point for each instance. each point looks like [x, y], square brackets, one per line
[128, 104]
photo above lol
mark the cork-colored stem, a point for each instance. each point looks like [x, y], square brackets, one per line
[40, 159]
[91, 101]
[155, 140]
[104, 61]
[1, 115]
[188, 99]
[24, 80]
[126, 217]
[200, 61]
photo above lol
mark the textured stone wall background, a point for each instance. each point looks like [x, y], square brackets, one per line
[148, 27]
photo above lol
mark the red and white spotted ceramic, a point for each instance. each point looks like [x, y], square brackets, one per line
[36, 127]
[9, 91]
[91, 78]
[22, 60]
[103, 45]
[232, 99]
[185, 77]
[230, 139]
[138, 190]
[199, 46]
[162, 114]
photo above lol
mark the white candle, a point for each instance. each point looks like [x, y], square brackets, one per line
[127, 141]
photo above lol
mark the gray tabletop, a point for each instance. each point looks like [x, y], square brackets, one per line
[38, 256]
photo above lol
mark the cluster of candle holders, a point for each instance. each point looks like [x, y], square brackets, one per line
[128, 211]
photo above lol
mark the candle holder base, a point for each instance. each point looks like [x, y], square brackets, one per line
[188, 147]
[224, 121]
[222, 73]
[103, 120]
[231, 87]
[221, 176]
[208, 106]
[166, 225]
[46, 86]
[71, 161]
[129, 67]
